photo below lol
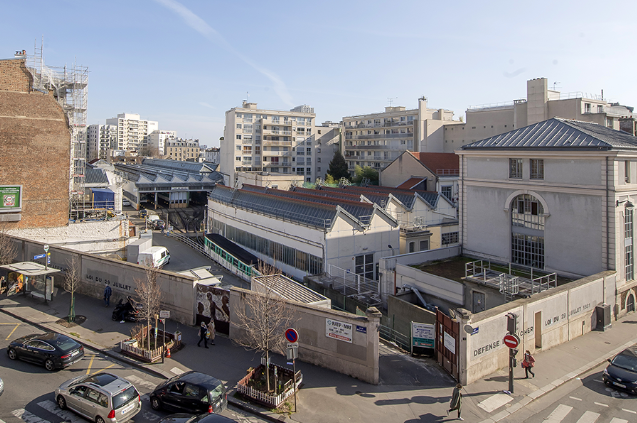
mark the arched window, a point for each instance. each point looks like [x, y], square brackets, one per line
[527, 231]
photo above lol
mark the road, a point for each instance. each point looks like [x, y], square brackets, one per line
[28, 395]
[582, 400]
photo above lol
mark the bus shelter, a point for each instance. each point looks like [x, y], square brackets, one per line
[28, 277]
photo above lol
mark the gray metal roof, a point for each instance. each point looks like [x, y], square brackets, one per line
[191, 167]
[289, 289]
[558, 133]
[95, 175]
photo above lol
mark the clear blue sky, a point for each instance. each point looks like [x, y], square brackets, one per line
[185, 63]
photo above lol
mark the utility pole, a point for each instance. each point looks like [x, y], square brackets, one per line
[512, 341]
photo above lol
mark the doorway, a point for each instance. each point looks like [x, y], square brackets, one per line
[538, 329]
[630, 304]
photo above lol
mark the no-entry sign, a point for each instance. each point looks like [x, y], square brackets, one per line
[511, 341]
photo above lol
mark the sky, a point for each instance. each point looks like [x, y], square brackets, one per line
[185, 63]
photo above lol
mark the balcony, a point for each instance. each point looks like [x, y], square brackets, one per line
[276, 132]
[276, 153]
[378, 136]
[280, 143]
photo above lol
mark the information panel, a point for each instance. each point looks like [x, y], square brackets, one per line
[338, 330]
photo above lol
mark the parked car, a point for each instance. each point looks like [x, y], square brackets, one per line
[190, 392]
[125, 202]
[1, 387]
[53, 350]
[189, 418]
[159, 224]
[622, 370]
[101, 398]
[143, 213]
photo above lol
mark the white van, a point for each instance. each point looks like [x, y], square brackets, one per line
[154, 256]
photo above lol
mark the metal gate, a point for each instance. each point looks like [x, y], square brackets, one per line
[447, 332]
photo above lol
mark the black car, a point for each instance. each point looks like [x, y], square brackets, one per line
[190, 392]
[203, 418]
[51, 349]
[622, 370]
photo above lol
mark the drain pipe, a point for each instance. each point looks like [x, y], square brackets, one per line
[607, 221]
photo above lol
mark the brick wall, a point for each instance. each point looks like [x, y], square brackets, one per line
[34, 149]
[14, 76]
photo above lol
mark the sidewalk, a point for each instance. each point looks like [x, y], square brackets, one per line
[411, 390]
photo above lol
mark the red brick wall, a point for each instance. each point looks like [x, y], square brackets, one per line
[14, 76]
[35, 145]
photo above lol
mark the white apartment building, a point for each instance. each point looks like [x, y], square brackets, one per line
[132, 131]
[325, 142]
[376, 139]
[157, 141]
[212, 155]
[268, 140]
[182, 150]
[540, 104]
[99, 139]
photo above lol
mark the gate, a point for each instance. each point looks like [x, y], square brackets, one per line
[447, 332]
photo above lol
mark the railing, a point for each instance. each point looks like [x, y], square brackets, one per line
[447, 172]
[150, 355]
[477, 269]
[543, 283]
[491, 106]
[266, 399]
[379, 136]
[403, 341]
[355, 285]
[189, 242]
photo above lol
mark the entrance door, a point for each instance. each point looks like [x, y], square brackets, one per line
[538, 329]
[630, 304]
[446, 345]
[478, 302]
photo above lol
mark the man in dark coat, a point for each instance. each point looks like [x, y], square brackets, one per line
[456, 401]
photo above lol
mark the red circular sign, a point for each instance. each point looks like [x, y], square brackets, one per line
[291, 335]
[511, 341]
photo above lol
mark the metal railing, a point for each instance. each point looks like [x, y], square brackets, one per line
[354, 285]
[449, 172]
[388, 334]
[188, 241]
[543, 283]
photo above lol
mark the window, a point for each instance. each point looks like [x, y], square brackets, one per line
[627, 171]
[587, 107]
[600, 108]
[318, 169]
[424, 245]
[628, 244]
[308, 150]
[238, 137]
[450, 238]
[412, 247]
[527, 227]
[447, 192]
[238, 126]
[537, 169]
[515, 168]
[364, 265]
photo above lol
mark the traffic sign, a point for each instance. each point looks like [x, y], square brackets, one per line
[39, 256]
[164, 314]
[292, 352]
[291, 335]
[511, 341]
[46, 248]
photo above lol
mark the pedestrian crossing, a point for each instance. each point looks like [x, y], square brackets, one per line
[563, 413]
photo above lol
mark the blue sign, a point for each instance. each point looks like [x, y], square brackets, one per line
[291, 335]
[361, 329]
[39, 256]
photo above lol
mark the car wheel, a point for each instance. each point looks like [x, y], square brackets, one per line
[12, 354]
[49, 365]
[61, 402]
[155, 403]
[98, 419]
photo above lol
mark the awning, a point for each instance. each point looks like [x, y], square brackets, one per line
[29, 268]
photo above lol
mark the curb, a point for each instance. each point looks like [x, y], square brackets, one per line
[540, 392]
[113, 354]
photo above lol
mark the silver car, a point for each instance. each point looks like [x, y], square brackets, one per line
[102, 398]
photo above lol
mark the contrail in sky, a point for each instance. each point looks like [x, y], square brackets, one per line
[199, 25]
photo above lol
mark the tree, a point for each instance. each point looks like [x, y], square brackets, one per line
[366, 172]
[150, 297]
[72, 280]
[8, 250]
[338, 167]
[264, 318]
[329, 179]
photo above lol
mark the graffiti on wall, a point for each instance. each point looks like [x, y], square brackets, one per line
[213, 302]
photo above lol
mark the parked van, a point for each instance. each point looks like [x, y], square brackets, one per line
[154, 256]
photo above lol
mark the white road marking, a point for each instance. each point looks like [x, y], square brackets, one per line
[599, 403]
[576, 399]
[629, 411]
[600, 381]
[67, 415]
[616, 420]
[588, 417]
[141, 382]
[494, 402]
[176, 371]
[151, 416]
[28, 417]
[558, 414]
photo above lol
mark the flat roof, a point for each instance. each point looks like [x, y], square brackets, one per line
[29, 268]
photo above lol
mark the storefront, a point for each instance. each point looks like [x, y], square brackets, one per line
[28, 278]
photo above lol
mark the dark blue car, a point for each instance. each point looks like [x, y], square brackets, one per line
[52, 350]
[622, 370]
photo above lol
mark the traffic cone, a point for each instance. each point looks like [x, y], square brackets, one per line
[167, 352]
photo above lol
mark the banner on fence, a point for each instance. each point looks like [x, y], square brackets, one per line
[422, 335]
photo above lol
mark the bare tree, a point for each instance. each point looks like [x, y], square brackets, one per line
[8, 250]
[149, 296]
[264, 319]
[72, 280]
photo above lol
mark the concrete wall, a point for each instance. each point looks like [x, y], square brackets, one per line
[404, 309]
[545, 320]
[427, 283]
[403, 168]
[178, 291]
[358, 359]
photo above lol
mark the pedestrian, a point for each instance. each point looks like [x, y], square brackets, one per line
[203, 329]
[528, 364]
[107, 295]
[456, 401]
[211, 331]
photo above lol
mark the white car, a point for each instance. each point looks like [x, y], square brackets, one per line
[125, 203]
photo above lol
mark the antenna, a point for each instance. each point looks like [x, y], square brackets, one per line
[555, 85]
[248, 96]
[391, 100]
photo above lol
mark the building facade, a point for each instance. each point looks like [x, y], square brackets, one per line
[157, 141]
[212, 155]
[132, 131]
[100, 138]
[182, 150]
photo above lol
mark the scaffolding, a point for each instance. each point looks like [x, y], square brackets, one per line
[69, 86]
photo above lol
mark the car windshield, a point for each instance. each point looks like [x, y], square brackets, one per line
[626, 362]
[65, 344]
[217, 393]
[125, 397]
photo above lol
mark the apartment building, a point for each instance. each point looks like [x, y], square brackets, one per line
[325, 142]
[212, 155]
[132, 131]
[99, 139]
[540, 104]
[157, 141]
[377, 139]
[274, 141]
[182, 150]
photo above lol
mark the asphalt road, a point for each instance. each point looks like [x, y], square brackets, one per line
[584, 400]
[28, 395]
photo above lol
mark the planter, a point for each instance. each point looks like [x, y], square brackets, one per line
[270, 400]
[132, 348]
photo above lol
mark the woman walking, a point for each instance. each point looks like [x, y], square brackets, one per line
[456, 401]
[528, 364]
[211, 331]
[203, 329]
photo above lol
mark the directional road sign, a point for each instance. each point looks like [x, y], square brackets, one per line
[511, 341]
[39, 256]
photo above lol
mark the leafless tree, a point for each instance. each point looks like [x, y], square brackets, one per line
[264, 320]
[149, 296]
[8, 250]
[72, 280]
